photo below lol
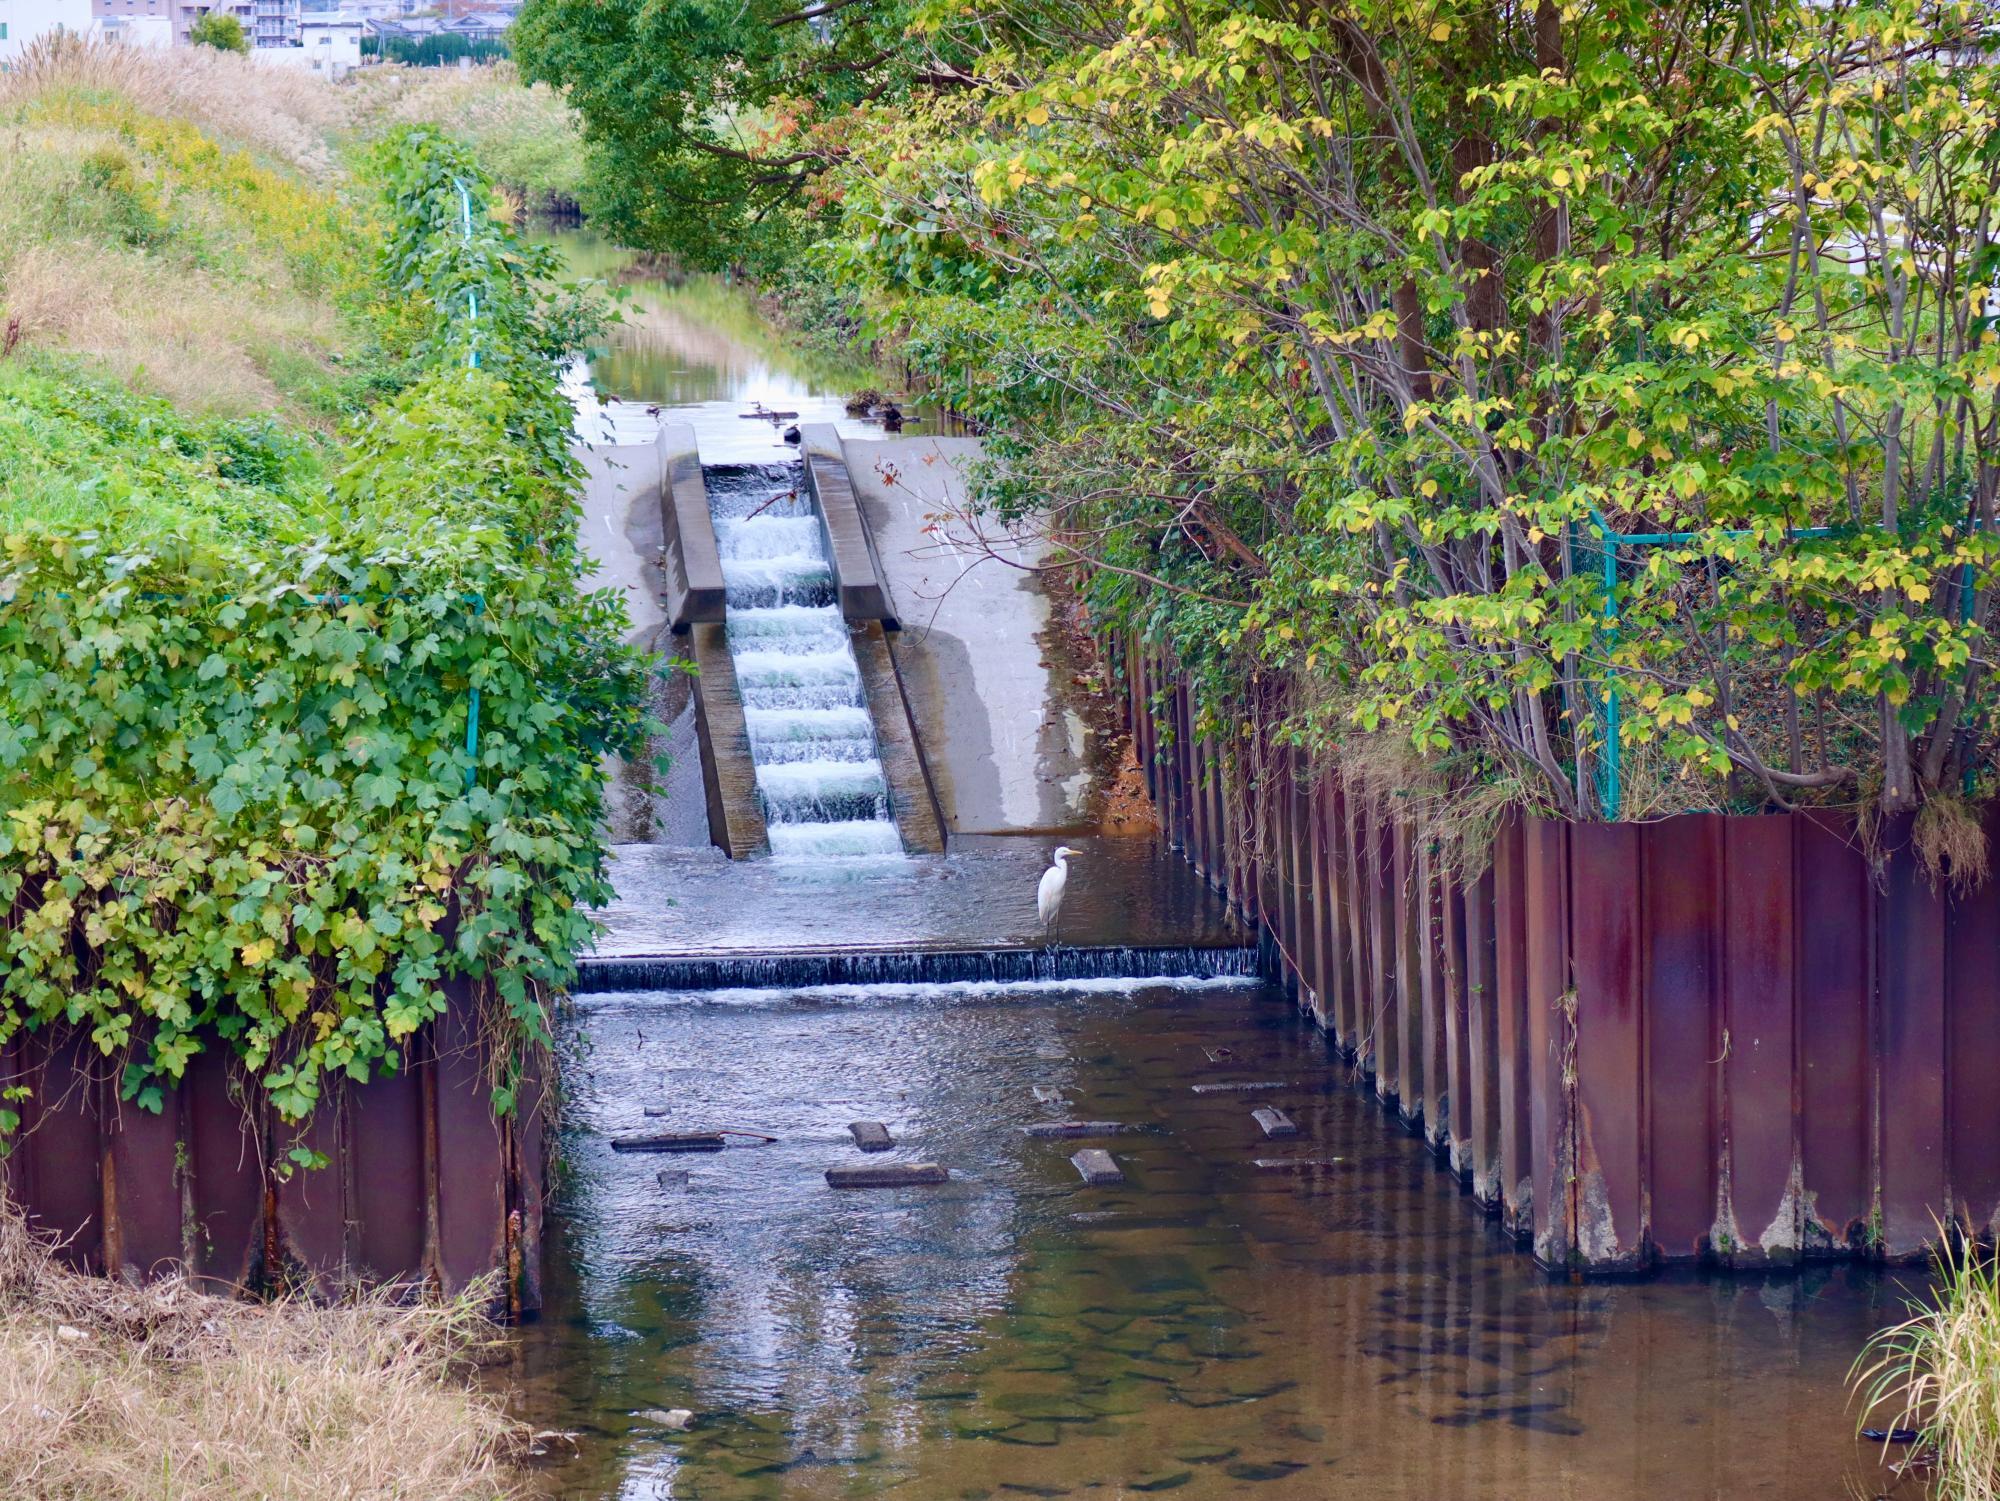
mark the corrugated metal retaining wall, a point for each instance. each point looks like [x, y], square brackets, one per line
[1724, 1038]
[423, 1183]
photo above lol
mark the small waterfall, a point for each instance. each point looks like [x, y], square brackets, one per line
[819, 774]
[724, 971]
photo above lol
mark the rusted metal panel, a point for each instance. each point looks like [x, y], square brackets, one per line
[1457, 1020]
[1836, 998]
[62, 1151]
[388, 1204]
[1510, 990]
[1321, 896]
[1482, 1043]
[1552, 1043]
[1681, 884]
[142, 1151]
[1385, 947]
[1409, 1080]
[312, 1202]
[1356, 1015]
[1972, 1084]
[1911, 1062]
[1760, 1211]
[225, 1176]
[470, 1166]
[1609, 1046]
[1432, 990]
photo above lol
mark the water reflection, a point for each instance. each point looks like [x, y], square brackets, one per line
[698, 350]
[1204, 1328]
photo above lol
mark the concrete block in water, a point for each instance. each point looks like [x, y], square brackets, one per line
[672, 1177]
[1244, 1086]
[1275, 1122]
[670, 1141]
[871, 1136]
[886, 1175]
[1097, 1167]
[1077, 1128]
[653, 1112]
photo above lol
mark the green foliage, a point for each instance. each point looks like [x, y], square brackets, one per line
[1351, 343]
[220, 30]
[244, 801]
[709, 125]
[434, 51]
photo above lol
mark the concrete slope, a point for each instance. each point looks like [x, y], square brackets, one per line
[1008, 750]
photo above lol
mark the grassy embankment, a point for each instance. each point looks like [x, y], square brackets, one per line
[185, 344]
[1938, 1374]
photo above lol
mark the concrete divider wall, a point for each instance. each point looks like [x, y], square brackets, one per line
[1743, 1040]
[422, 1182]
[857, 572]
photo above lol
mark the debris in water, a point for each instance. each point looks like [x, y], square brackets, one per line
[871, 1136]
[673, 1177]
[1891, 1435]
[1219, 1055]
[1292, 1164]
[1097, 1167]
[1077, 1128]
[1244, 1086]
[654, 1112]
[1048, 1094]
[673, 1419]
[672, 1141]
[887, 1175]
[1275, 1122]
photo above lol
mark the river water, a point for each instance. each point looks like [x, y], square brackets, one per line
[1206, 1328]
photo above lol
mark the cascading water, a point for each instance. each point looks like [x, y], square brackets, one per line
[819, 775]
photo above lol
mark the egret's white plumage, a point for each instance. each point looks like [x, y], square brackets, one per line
[1049, 895]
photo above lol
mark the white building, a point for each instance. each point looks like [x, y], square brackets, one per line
[22, 21]
[329, 45]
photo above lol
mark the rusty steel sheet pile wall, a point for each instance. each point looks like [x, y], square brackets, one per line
[1745, 1040]
[422, 1182]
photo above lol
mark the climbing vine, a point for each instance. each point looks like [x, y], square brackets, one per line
[292, 742]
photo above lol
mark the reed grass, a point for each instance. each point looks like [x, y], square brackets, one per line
[110, 1392]
[1938, 1373]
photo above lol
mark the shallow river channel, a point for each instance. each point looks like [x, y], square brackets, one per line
[1205, 1328]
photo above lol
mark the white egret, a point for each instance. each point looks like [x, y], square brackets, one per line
[1049, 895]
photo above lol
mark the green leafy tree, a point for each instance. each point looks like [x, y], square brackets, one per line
[1346, 344]
[220, 30]
[711, 126]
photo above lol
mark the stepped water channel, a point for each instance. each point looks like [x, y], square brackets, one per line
[819, 775]
[1341, 1324]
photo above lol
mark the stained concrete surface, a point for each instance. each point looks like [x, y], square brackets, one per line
[1008, 749]
[621, 535]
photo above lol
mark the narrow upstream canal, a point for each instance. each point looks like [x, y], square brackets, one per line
[1206, 1327]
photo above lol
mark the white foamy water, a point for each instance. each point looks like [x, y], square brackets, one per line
[819, 774]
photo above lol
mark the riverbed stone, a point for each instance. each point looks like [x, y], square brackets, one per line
[1096, 1167]
[871, 1136]
[1274, 1121]
[888, 1175]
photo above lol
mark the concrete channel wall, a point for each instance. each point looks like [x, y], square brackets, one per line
[1738, 1040]
[422, 1184]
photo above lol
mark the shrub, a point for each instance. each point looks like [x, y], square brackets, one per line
[220, 30]
[290, 744]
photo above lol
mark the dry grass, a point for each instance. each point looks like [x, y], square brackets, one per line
[526, 136]
[113, 1393]
[162, 216]
[284, 116]
[1939, 1373]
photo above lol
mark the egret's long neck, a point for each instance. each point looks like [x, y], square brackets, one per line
[1062, 861]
